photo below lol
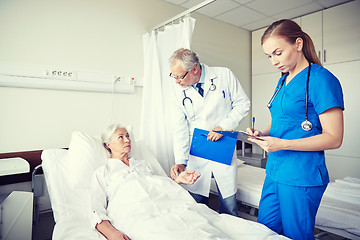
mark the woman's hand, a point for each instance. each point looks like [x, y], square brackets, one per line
[176, 169]
[269, 144]
[111, 233]
[254, 132]
[118, 236]
[187, 177]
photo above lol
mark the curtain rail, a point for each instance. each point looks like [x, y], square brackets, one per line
[190, 10]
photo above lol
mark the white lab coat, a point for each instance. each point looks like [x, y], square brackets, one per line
[224, 107]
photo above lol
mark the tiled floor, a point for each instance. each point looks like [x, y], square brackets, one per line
[321, 235]
[43, 230]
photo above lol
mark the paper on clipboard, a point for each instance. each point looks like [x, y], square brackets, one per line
[221, 151]
[241, 135]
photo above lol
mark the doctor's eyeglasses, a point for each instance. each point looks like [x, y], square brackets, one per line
[178, 78]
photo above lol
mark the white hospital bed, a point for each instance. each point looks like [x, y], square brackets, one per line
[339, 211]
[67, 175]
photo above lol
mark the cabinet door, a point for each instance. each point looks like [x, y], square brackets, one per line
[341, 33]
[260, 63]
[312, 25]
[348, 74]
[263, 87]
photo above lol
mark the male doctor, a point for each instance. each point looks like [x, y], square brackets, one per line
[209, 98]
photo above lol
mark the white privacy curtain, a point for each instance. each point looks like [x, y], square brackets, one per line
[155, 128]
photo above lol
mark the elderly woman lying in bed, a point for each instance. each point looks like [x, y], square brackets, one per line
[122, 183]
[129, 201]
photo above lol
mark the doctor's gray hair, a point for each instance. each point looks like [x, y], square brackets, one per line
[108, 133]
[187, 57]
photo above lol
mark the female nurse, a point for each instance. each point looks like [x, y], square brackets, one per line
[306, 119]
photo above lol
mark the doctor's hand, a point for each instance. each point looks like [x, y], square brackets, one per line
[214, 136]
[187, 177]
[176, 170]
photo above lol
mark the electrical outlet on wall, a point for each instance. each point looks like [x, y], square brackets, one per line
[124, 79]
[117, 78]
[60, 74]
[132, 80]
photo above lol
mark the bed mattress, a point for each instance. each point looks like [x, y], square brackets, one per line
[340, 206]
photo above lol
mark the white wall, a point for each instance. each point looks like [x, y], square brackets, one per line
[220, 44]
[96, 36]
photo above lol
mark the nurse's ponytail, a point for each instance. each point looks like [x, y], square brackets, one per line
[290, 31]
[309, 50]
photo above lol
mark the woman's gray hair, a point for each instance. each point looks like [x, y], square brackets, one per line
[187, 57]
[108, 133]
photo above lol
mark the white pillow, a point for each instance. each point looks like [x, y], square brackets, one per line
[52, 159]
[86, 153]
[65, 200]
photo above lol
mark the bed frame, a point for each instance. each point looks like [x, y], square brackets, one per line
[32, 157]
[34, 160]
[326, 230]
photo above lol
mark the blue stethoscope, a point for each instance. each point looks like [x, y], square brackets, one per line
[305, 125]
[186, 98]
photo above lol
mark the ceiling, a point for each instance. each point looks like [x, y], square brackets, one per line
[256, 14]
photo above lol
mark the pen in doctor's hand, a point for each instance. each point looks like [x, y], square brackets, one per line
[253, 124]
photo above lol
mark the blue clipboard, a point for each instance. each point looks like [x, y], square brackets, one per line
[221, 151]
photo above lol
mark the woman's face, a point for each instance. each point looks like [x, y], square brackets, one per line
[282, 54]
[120, 143]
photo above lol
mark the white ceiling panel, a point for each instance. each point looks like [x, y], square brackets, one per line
[191, 3]
[240, 16]
[255, 14]
[258, 24]
[177, 2]
[300, 11]
[218, 7]
[331, 3]
[243, 1]
[272, 7]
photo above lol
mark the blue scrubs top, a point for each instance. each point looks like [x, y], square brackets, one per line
[300, 168]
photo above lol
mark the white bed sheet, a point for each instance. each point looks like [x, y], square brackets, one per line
[71, 208]
[339, 208]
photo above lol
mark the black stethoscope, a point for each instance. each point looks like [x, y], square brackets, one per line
[305, 125]
[212, 86]
[186, 98]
